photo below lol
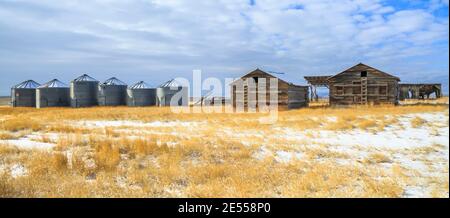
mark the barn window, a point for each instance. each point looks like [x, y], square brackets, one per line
[255, 79]
[382, 90]
[357, 90]
[339, 90]
[348, 90]
[356, 87]
[363, 73]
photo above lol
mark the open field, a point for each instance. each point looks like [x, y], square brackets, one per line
[381, 151]
[5, 100]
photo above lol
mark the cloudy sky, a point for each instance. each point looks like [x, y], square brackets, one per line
[155, 40]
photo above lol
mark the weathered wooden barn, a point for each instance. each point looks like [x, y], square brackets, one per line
[360, 84]
[419, 91]
[246, 92]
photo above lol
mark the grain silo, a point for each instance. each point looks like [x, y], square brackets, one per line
[112, 92]
[83, 91]
[53, 94]
[141, 94]
[24, 94]
[167, 91]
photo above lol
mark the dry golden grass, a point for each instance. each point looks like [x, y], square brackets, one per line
[378, 158]
[107, 156]
[20, 123]
[6, 135]
[199, 160]
[417, 122]
[59, 161]
[367, 123]
[6, 149]
[443, 100]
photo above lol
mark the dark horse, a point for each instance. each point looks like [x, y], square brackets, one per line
[427, 90]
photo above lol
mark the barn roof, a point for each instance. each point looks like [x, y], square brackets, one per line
[29, 84]
[140, 85]
[113, 81]
[280, 76]
[364, 65]
[85, 78]
[317, 80]
[54, 84]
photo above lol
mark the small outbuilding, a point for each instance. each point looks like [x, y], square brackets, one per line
[419, 91]
[83, 91]
[24, 94]
[53, 94]
[112, 92]
[140, 95]
[246, 91]
[172, 91]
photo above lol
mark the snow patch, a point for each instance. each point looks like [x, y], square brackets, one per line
[285, 156]
[119, 123]
[18, 170]
[27, 143]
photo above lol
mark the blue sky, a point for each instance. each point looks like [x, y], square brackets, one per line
[156, 40]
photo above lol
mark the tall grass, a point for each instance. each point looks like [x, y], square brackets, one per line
[215, 158]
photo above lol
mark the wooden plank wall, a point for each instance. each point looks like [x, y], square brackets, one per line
[346, 88]
[298, 96]
[289, 96]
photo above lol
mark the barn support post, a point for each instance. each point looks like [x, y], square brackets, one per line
[437, 90]
[438, 93]
[314, 95]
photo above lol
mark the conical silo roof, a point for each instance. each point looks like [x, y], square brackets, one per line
[140, 85]
[170, 83]
[54, 84]
[29, 84]
[113, 81]
[85, 78]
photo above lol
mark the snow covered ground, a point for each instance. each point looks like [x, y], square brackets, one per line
[28, 143]
[423, 150]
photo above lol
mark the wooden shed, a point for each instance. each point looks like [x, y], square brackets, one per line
[246, 91]
[419, 91]
[362, 84]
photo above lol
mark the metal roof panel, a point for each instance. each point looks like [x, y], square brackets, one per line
[85, 78]
[54, 84]
[29, 84]
[113, 81]
[140, 85]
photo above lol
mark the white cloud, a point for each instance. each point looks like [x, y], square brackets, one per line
[223, 36]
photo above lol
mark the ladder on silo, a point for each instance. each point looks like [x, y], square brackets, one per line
[363, 90]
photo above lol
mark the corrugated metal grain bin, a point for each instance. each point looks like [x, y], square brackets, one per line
[141, 94]
[53, 94]
[169, 91]
[24, 94]
[112, 92]
[83, 91]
